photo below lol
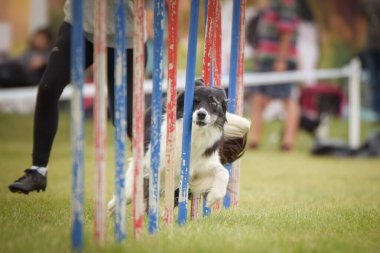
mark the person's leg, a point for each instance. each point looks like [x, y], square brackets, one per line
[291, 123]
[258, 103]
[288, 93]
[259, 99]
[372, 61]
[54, 80]
[130, 91]
[375, 75]
[111, 83]
[111, 91]
[50, 88]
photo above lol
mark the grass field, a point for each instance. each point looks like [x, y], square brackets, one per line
[288, 202]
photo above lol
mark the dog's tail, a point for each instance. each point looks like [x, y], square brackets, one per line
[235, 138]
[236, 126]
[111, 206]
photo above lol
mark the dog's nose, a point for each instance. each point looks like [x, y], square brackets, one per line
[201, 115]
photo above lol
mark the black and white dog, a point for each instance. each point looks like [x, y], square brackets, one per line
[218, 137]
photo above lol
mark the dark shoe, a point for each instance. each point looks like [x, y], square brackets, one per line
[31, 181]
[286, 148]
[253, 145]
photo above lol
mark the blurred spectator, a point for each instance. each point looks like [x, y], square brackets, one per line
[307, 40]
[27, 70]
[5, 41]
[276, 52]
[251, 28]
[371, 10]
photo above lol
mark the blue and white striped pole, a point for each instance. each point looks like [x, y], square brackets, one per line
[188, 107]
[77, 123]
[156, 115]
[205, 210]
[120, 119]
[233, 76]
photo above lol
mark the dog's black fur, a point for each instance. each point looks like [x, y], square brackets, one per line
[214, 102]
[212, 99]
[204, 97]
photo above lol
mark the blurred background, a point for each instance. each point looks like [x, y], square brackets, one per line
[305, 186]
[341, 26]
[329, 34]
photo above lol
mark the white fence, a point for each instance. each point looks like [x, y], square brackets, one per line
[352, 72]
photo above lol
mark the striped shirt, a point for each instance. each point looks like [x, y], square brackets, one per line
[88, 19]
[278, 17]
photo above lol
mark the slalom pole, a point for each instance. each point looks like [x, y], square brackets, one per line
[100, 117]
[188, 106]
[171, 111]
[138, 119]
[235, 178]
[156, 116]
[233, 77]
[120, 119]
[77, 124]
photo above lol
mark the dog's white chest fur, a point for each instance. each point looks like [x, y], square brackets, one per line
[209, 117]
[201, 167]
[207, 174]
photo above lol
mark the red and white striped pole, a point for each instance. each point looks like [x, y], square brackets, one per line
[209, 42]
[217, 62]
[100, 117]
[218, 45]
[196, 204]
[171, 111]
[207, 68]
[138, 118]
[211, 68]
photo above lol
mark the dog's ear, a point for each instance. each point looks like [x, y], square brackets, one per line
[199, 82]
[221, 96]
[180, 103]
[225, 104]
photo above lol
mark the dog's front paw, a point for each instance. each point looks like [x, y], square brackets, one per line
[111, 207]
[213, 197]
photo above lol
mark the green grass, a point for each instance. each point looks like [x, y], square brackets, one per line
[288, 202]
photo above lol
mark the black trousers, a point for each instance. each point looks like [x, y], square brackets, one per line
[55, 79]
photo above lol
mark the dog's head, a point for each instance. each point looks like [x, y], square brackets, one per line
[210, 106]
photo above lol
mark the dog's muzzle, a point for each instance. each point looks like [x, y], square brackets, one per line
[201, 117]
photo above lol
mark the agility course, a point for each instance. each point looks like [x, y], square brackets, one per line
[212, 76]
[287, 203]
